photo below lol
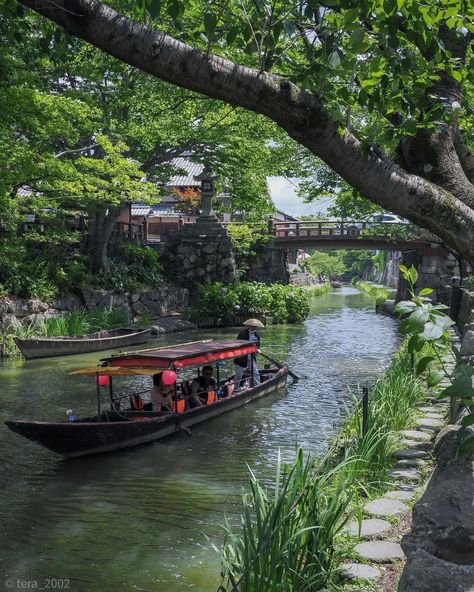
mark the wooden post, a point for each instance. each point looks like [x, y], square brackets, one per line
[111, 394]
[98, 395]
[365, 410]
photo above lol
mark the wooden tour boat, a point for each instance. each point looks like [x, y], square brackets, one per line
[115, 429]
[47, 347]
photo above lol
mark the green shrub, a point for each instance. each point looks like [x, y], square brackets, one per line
[214, 300]
[285, 304]
[253, 298]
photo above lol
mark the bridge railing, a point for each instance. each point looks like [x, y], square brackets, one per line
[317, 228]
[348, 228]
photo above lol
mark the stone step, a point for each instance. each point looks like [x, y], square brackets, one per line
[427, 424]
[434, 416]
[379, 551]
[410, 453]
[405, 474]
[410, 463]
[399, 494]
[431, 409]
[385, 507]
[426, 446]
[360, 571]
[416, 435]
[368, 528]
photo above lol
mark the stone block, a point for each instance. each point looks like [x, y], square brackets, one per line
[18, 307]
[35, 306]
[9, 323]
[467, 343]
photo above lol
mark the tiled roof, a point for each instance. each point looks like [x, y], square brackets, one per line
[140, 210]
[185, 180]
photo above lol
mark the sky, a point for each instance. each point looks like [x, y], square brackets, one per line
[283, 192]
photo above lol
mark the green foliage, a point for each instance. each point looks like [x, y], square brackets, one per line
[284, 304]
[317, 289]
[427, 326]
[247, 242]
[288, 531]
[329, 263]
[80, 322]
[391, 402]
[134, 269]
[380, 294]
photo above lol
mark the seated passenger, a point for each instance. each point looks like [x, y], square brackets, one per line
[200, 386]
[161, 394]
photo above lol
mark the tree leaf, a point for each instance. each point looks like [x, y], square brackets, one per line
[425, 291]
[423, 364]
[405, 306]
[434, 378]
[468, 420]
[432, 331]
[467, 446]
[415, 343]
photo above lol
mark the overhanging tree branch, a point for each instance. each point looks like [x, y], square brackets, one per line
[299, 112]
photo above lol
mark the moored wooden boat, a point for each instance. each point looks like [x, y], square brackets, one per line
[47, 347]
[115, 430]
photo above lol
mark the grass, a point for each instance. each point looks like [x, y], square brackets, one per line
[378, 293]
[317, 289]
[290, 533]
[75, 324]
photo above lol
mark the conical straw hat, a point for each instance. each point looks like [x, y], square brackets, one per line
[254, 323]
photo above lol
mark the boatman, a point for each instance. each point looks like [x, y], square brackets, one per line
[249, 361]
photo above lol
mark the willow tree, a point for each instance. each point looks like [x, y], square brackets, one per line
[313, 68]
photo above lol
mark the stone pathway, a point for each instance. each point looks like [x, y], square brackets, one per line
[410, 453]
[411, 463]
[368, 528]
[399, 494]
[417, 444]
[433, 425]
[379, 551]
[385, 507]
[359, 571]
[405, 474]
[416, 435]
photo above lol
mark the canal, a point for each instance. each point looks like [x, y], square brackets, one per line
[145, 519]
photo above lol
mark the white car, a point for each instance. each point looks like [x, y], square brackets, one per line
[382, 219]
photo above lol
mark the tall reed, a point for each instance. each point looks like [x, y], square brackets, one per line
[288, 532]
[287, 539]
[391, 402]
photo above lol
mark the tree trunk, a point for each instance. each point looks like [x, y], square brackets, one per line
[101, 226]
[445, 209]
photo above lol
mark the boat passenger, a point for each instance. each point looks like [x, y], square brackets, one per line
[249, 361]
[161, 394]
[200, 386]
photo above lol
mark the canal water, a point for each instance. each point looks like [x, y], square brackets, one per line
[146, 519]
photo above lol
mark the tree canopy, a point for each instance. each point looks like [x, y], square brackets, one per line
[82, 132]
[378, 90]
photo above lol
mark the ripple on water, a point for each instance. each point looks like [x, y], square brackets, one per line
[145, 518]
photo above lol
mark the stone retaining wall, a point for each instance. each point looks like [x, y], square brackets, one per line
[440, 546]
[162, 302]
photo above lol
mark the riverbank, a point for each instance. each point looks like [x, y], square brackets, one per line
[303, 526]
[376, 291]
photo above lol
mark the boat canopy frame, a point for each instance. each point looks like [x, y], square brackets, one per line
[178, 357]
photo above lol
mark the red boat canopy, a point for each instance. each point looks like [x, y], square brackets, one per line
[197, 353]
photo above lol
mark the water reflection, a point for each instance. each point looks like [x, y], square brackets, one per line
[143, 519]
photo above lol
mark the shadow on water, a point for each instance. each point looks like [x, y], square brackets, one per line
[143, 519]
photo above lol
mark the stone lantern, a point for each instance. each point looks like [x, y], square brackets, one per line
[207, 180]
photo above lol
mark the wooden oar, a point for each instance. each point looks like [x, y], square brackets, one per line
[280, 365]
